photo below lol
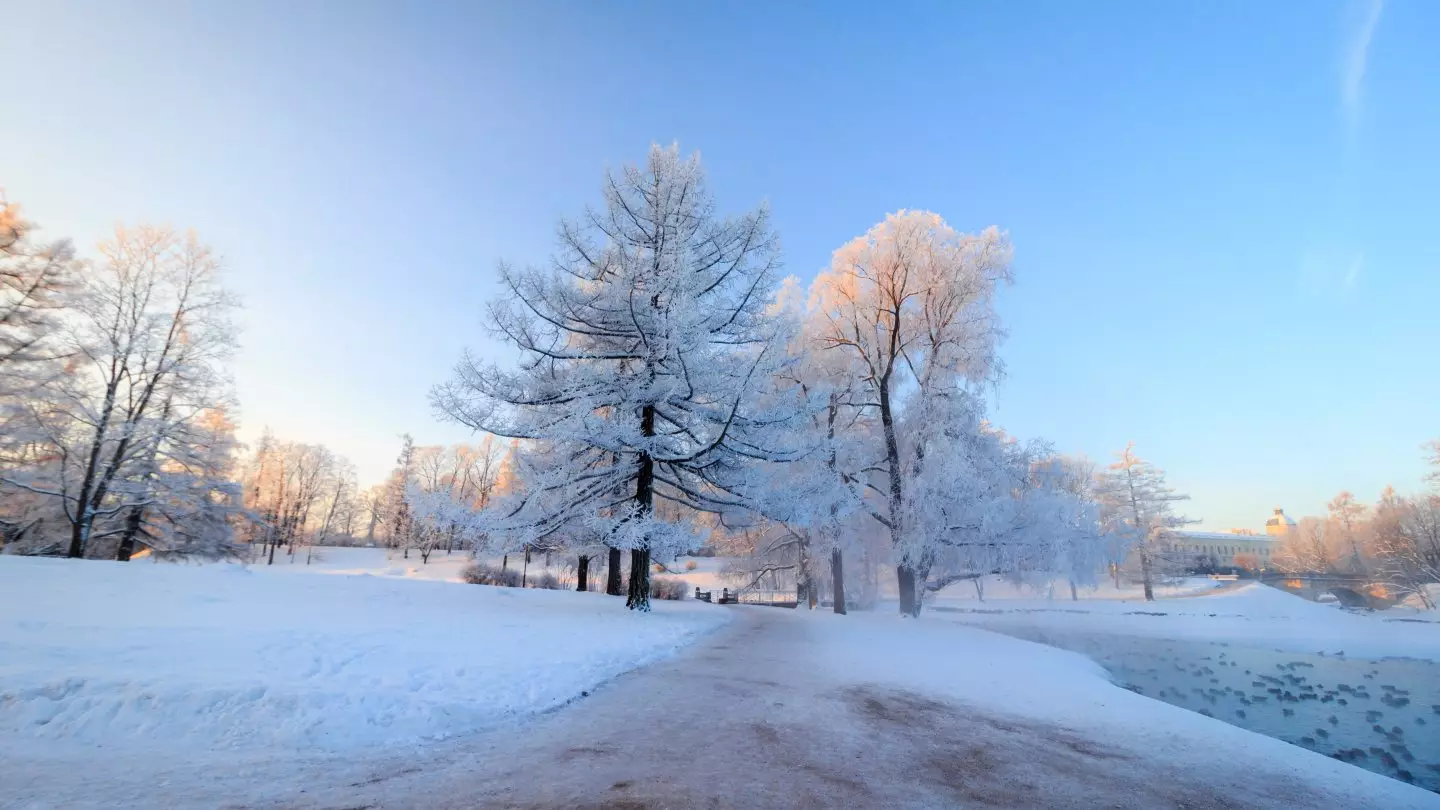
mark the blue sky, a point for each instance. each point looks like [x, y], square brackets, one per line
[1224, 214]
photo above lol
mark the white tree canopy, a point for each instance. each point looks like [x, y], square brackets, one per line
[646, 351]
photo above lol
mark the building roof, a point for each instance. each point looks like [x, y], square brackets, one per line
[1279, 519]
[1221, 537]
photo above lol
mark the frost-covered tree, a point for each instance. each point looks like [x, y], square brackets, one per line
[38, 281]
[645, 350]
[1082, 550]
[1308, 549]
[805, 508]
[1347, 517]
[1138, 507]
[397, 491]
[148, 335]
[293, 492]
[910, 306]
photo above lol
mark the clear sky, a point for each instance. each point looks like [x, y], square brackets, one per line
[1226, 215]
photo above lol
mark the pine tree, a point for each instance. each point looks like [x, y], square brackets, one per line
[644, 352]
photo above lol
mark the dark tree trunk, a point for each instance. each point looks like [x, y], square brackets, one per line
[613, 574]
[582, 574]
[1145, 572]
[504, 562]
[127, 539]
[1074, 597]
[909, 599]
[837, 580]
[639, 597]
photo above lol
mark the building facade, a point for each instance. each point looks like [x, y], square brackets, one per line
[1238, 548]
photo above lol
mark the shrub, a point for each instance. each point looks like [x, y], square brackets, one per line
[545, 581]
[691, 565]
[483, 574]
[668, 588]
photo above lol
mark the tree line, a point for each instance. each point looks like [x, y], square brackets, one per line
[674, 390]
[116, 427]
[1395, 542]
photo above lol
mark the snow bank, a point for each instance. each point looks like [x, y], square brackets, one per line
[1073, 697]
[1251, 615]
[229, 656]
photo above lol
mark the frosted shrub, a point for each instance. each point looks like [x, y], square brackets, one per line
[691, 565]
[482, 574]
[667, 588]
[545, 581]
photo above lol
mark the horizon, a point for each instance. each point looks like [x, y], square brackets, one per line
[1222, 259]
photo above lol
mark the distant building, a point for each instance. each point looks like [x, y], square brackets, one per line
[1238, 548]
[1279, 524]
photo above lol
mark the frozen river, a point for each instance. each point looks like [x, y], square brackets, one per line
[1383, 715]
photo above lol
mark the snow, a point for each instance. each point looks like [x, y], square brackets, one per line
[1071, 694]
[195, 686]
[376, 562]
[1246, 613]
[229, 656]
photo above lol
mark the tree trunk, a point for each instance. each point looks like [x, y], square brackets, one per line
[127, 540]
[639, 596]
[909, 601]
[837, 580]
[504, 562]
[1074, 597]
[1145, 572]
[582, 574]
[612, 572]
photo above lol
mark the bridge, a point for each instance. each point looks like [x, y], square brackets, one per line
[1353, 590]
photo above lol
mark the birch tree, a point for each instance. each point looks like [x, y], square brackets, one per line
[910, 304]
[148, 334]
[644, 352]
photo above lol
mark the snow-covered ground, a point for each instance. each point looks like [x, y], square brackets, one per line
[375, 562]
[145, 654]
[368, 683]
[1358, 686]
[1247, 613]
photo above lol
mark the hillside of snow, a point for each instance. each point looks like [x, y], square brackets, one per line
[229, 656]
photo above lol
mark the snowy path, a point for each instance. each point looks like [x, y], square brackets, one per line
[747, 718]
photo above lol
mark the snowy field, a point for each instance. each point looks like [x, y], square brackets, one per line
[229, 656]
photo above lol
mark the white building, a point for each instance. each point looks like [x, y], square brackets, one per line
[1240, 548]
